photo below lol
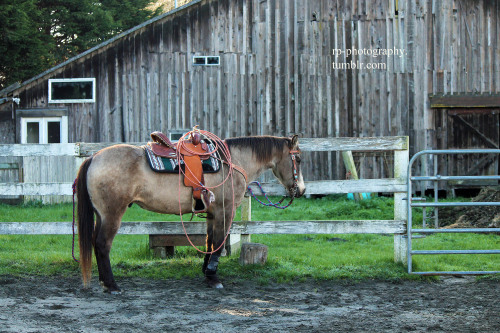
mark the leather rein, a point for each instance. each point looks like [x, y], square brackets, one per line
[293, 190]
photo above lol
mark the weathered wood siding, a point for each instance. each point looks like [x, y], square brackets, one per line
[276, 76]
[49, 169]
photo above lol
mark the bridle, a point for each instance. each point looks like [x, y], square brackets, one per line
[293, 156]
[293, 190]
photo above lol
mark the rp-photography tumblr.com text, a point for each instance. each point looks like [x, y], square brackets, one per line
[343, 59]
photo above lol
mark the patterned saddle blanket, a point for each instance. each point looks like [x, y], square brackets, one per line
[170, 164]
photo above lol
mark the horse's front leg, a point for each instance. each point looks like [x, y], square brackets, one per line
[210, 237]
[216, 234]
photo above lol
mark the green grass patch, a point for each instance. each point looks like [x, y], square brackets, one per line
[290, 258]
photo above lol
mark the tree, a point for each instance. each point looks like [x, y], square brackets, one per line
[38, 34]
[23, 47]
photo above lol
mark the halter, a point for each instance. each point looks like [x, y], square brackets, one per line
[293, 154]
[293, 191]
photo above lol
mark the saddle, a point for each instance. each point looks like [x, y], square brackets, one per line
[194, 153]
[163, 147]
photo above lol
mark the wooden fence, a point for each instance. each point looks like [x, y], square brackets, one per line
[396, 185]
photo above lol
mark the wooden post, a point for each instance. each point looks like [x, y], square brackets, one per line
[400, 209]
[253, 254]
[351, 169]
[246, 215]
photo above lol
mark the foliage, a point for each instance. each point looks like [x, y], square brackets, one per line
[38, 34]
[24, 49]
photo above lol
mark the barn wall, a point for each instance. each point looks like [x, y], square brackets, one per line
[276, 74]
[7, 123]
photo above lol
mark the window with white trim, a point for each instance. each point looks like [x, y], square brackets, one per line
[206, 60]
[176, 134]
[44, 130]
[81, 90]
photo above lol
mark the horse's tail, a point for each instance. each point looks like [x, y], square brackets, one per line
[85, 222]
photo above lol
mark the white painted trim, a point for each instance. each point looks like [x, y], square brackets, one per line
[89, 100]
[64, 129]
[24, 129]
[206, 60]
[43, 128]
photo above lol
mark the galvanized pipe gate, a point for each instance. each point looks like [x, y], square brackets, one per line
[436, 179]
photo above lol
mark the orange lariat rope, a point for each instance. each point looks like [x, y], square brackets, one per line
[223, 149]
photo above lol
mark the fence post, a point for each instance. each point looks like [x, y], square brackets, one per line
[400, 212]
[351, 168]
[246, 215]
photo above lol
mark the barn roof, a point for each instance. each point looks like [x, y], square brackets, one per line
[8, 90]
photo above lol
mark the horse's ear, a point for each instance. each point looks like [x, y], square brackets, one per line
[294, 143]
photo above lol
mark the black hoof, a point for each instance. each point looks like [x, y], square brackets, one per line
[213, 282]
[113, 290]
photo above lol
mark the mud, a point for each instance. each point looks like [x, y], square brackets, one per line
[40, 304]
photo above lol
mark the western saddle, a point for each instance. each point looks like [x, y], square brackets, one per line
[192, 151]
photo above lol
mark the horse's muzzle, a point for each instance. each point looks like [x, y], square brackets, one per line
[296, 192]
[301, 192]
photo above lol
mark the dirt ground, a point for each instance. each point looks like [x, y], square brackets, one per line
[36, 304]
[476, 216]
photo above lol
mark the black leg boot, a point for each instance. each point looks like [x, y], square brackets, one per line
[211, 272]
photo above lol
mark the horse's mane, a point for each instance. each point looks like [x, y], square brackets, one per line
[263, 147]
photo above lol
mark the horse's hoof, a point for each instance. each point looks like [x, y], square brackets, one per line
[216, 284]
[111, 290]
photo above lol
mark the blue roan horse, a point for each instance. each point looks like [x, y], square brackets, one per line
[118, 176]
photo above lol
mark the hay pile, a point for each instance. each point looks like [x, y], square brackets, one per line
[474, 217]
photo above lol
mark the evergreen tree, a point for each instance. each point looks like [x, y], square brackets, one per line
[24, 49]
[38, 34]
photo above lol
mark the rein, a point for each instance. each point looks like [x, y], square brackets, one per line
[293, 191]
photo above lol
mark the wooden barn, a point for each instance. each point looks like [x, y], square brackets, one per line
[428, 69]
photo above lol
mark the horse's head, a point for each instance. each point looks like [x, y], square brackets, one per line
[288, 169]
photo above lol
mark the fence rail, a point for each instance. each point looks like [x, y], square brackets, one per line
[83, 149]
[396, 185]
[238, 227]
[388, 185]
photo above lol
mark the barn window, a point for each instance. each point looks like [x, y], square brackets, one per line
[80, 90]
[44, 130]
[206, 60]
[176, 134]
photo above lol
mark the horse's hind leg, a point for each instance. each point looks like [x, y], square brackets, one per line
[98, 260]
[105, 233]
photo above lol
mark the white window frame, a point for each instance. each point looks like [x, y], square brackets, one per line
[89, 100]
[43, 136]
[205, 60]
[176, 132]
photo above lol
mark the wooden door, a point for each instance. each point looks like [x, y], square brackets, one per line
[473, 129]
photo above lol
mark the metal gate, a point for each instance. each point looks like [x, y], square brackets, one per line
[417, 202]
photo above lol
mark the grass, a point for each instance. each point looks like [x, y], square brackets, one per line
[291, 257]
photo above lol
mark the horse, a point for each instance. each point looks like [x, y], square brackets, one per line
[116, 177]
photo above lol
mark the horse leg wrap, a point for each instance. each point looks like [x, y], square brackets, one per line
[205, 263]
[213, 263]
